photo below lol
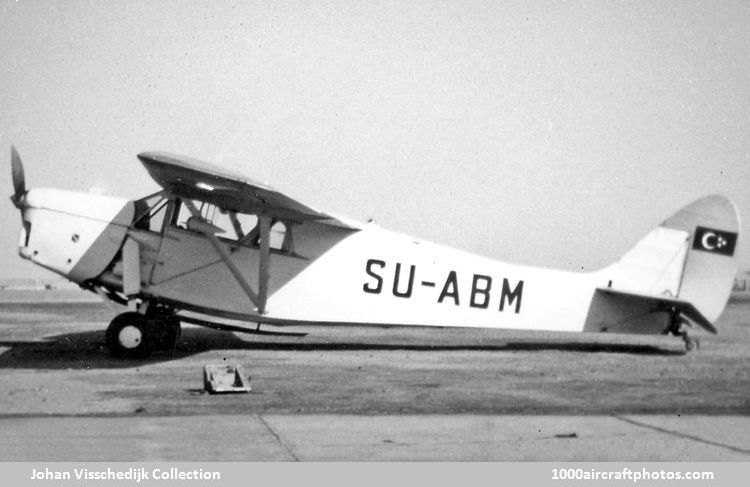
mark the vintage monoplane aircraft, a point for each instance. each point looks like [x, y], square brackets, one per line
[213, 245]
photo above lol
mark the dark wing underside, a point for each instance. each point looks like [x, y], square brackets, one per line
[193, 179]
[659, 304]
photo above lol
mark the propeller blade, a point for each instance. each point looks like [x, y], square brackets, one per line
[19, 178]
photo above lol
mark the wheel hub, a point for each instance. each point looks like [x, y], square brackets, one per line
[130, 337]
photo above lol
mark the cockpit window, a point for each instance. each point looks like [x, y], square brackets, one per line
[281, 237]
[150, 213]
[240, 228]
[183, 217]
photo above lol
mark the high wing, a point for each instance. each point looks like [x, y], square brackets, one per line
[193, 179]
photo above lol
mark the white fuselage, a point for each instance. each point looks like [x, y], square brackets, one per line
[378, 276]
[356, 274]
[368, 276]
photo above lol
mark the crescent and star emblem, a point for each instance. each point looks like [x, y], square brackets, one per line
[712, 241]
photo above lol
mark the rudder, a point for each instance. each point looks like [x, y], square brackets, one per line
[690, 256]
[711, 263]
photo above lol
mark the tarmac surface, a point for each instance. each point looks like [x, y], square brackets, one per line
[369, 394]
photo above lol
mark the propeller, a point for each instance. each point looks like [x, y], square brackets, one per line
[19, 178]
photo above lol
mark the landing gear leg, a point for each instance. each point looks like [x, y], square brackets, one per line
[677, 328]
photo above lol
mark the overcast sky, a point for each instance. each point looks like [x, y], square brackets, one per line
[545, 133]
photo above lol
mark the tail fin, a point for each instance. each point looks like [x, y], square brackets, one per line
[690, 256]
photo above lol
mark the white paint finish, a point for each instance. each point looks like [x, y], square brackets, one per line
[92, 206]
[130, 337]
[334, 287]
[333, 269]
[187, 268]
[654, 265]
[375, 276]
[75, 234]
[708, 277]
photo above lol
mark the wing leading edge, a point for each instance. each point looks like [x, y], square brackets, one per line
[194, 179]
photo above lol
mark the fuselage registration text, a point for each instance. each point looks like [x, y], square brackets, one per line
[384, 278]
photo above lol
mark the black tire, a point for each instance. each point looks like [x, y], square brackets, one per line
[128, 336]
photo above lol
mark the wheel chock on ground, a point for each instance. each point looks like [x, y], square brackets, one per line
[224, 379]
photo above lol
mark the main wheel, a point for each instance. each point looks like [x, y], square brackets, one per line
[127, 336]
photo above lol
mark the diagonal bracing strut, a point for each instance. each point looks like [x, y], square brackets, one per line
[260, 298]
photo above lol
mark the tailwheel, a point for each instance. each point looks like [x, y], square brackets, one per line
[678, 326]
[127, 336]
[691, 344]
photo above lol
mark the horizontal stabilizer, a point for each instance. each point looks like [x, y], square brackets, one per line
[661, 304]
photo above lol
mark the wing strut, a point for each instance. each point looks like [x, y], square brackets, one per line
[258, 299]
[265, 260]
[131, 271]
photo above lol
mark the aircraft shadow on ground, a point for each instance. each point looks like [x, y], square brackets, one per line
[86, 350]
